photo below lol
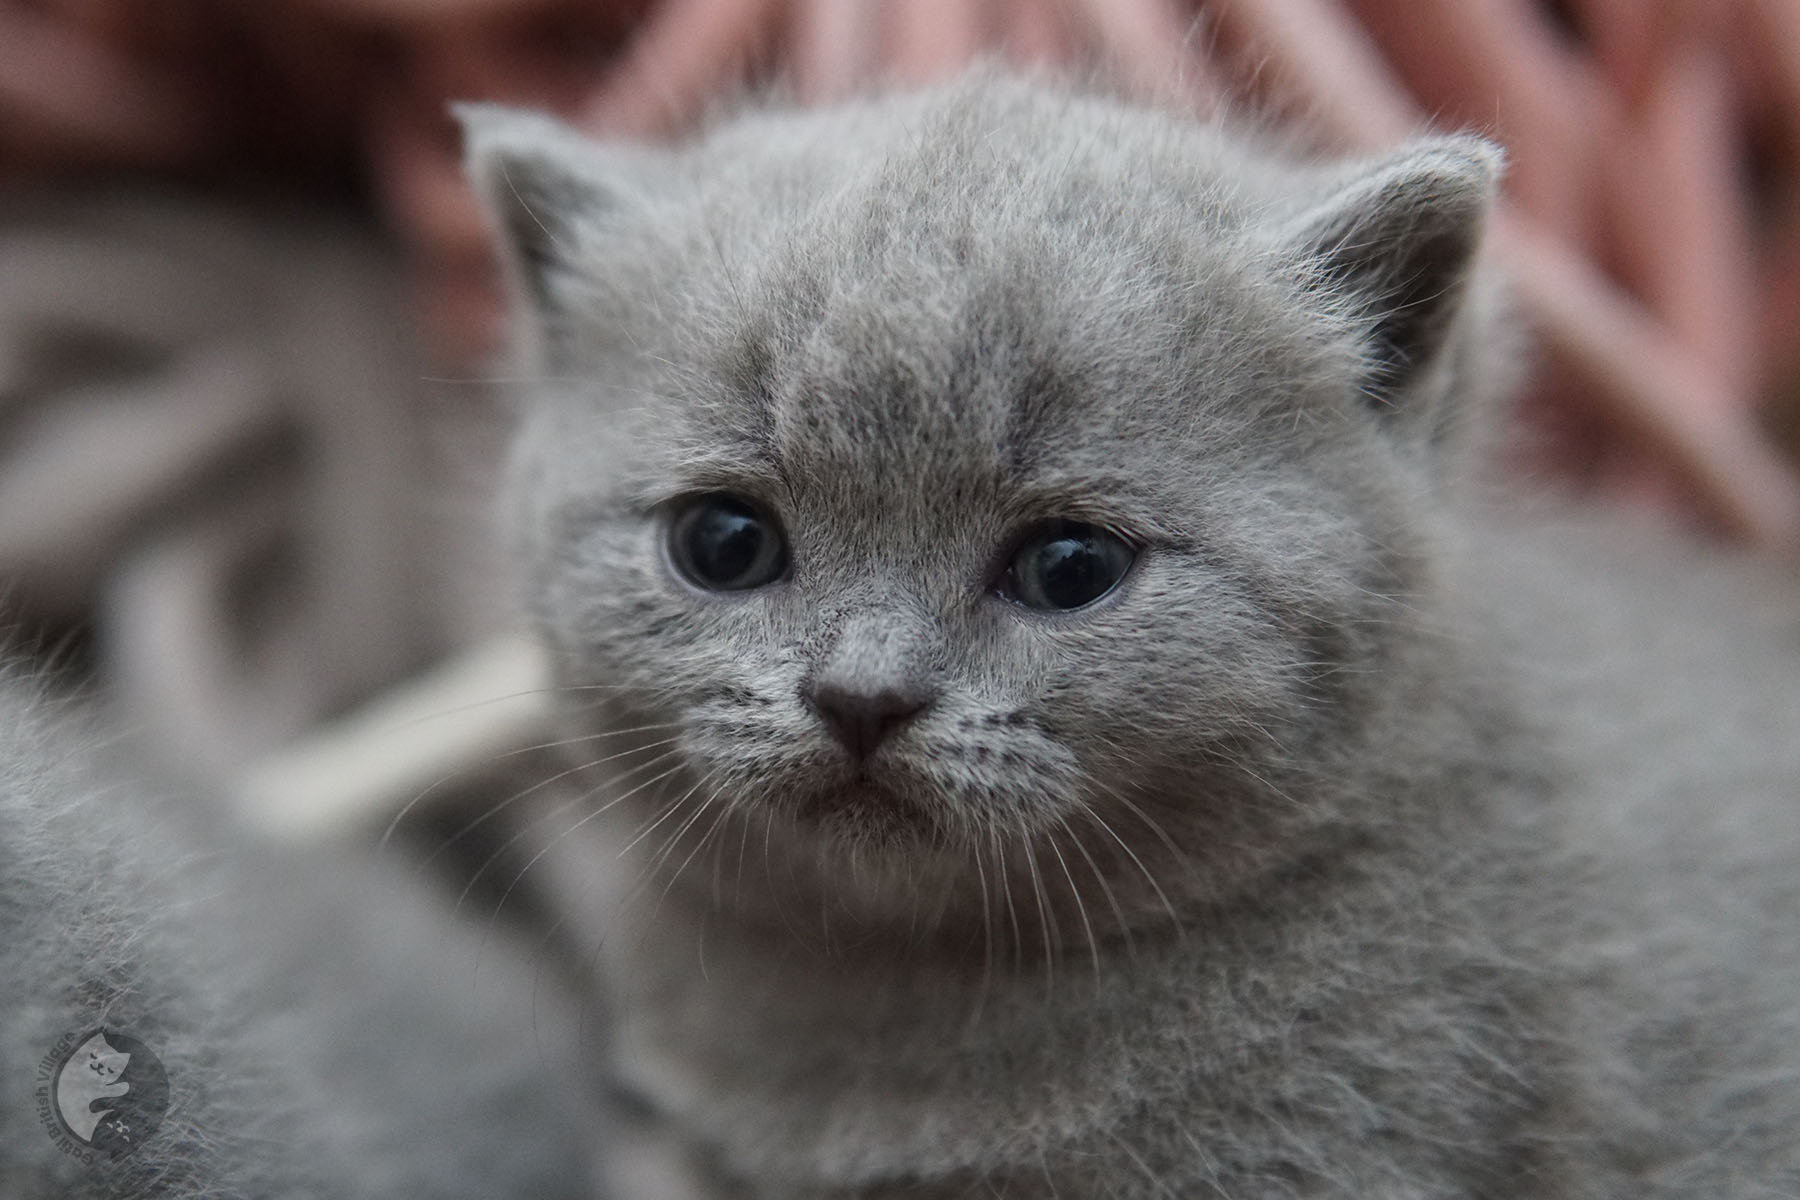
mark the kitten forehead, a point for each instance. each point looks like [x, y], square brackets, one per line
[974, 393]
[890, 336]
[897, 281]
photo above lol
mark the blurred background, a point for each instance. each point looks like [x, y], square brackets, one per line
[248, 317]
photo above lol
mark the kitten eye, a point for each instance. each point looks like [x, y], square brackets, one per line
[1066, 564]
[726, 544]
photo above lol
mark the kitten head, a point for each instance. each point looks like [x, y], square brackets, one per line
[100, 1063]
[985, 467]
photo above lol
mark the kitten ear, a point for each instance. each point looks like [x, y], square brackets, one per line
[550, 194]
[1398, 245]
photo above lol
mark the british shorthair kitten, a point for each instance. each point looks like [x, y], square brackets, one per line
[1069, 727]
[1055, 720]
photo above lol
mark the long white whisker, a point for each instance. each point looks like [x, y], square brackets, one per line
[647, 830]
[1149, 878]
[573, 802]
[987, 932]
[1112, 899]
[667, 849]
[1012, 910]
[1044, 922]
[496, 809]
[1080, 904]
[424, 793]
[595, 814]
[724, 811]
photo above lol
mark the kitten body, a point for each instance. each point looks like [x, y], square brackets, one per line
[1362, 841]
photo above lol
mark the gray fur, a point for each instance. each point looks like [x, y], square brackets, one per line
[1364, 843]
[323, 1030]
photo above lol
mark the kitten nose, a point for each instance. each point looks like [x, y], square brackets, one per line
[861, 718]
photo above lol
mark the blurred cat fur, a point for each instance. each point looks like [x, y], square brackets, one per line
[322, 1026]
[1361, 840]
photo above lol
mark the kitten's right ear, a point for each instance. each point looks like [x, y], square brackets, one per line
[551, 195]
[1396, 248]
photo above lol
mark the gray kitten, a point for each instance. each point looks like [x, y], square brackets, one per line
[1075, 734]
[267, 1025]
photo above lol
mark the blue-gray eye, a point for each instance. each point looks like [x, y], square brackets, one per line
[726, 544]
[1066, 564]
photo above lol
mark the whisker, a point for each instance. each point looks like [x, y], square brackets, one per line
[1162, 835]
[717, 859]
[1012, 910]
[545, 849]
[407, 809]
[738, 882]
[1044, 922]
[647, 830]
[1149, 878]
[667, 849]
[572, 802]
[987, 932]
[1080, 904]
[1112, 899]
[499, 807]
[719, 820]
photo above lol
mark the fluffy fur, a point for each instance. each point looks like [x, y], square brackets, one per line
[1362, 843]
[322, 1028]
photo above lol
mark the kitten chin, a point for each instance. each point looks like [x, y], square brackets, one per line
[861, 808]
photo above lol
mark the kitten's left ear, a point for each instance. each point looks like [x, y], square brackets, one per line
[553, 197]
[1398, 244]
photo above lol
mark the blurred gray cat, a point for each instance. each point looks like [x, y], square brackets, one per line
[322, 1029]
[1078, 734]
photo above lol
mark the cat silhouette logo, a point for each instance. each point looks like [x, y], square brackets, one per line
[101, 1092]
